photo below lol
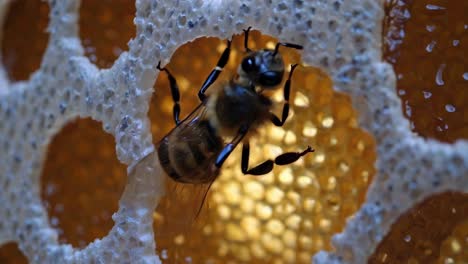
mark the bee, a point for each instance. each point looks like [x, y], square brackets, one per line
[195, 149]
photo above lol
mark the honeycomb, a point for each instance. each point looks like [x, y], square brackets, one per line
[437, 23]
[408, 168]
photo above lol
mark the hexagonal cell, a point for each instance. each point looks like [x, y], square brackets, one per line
[105, 31]
[426, 43]
[24, 37]
[10, 254]
[421, 234]
[82, 182]
[288, 214]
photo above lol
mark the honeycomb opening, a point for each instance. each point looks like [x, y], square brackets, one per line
[433, 96]
[430, 232]
[23, 44]
[81, 184]
[11, 254]
[242, 214]
[105, 31]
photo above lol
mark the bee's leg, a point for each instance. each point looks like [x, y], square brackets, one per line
[286, 92]
[215, 72]
[246, 39]
[267, 166]
[227, 150]
[175, 93]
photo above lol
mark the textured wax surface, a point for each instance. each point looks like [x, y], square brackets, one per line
[119, 97]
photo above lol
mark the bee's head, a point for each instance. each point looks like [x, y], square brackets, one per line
[262, 68]
[265, 67]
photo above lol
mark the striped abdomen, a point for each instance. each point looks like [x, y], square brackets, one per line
[188, 153]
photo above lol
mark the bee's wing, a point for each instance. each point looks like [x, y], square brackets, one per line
[194, 117]
[180, 213]
[183, 199]
[184, 130]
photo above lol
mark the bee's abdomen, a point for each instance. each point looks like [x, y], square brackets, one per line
[190, 158]
[163, 153]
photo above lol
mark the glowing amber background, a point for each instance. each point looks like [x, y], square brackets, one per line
[236, 203]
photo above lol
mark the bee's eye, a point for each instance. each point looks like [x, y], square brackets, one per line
[248, 64]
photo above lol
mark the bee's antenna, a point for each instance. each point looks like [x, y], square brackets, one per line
[288, 45]
[246, 39]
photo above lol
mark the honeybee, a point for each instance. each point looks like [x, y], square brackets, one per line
[196, 148]
[194, 151]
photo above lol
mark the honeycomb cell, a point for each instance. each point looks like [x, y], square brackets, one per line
[426, 42]
[82, 182]
[268, 213]
[24, 37]
[105, 31]
[10, 254]
[433, 229]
